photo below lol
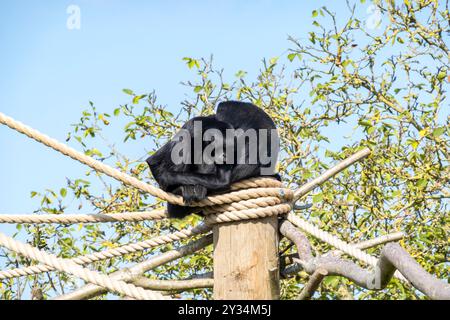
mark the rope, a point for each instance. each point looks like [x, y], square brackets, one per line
[71, 267]
[332, 240]
[111, 253]
[83, 218]
[231, 216]
[243, 205]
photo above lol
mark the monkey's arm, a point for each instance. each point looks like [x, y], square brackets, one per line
[219, 181]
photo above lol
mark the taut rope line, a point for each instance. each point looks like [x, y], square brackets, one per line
[71, 267]
[84, 218]
[111, 253]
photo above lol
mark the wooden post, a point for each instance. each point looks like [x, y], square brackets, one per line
[246, 265]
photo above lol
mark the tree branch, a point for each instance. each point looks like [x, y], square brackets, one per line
[173, 285]
[392, 257]
[313, 284]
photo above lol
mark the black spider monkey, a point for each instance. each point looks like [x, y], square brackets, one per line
[195, 180]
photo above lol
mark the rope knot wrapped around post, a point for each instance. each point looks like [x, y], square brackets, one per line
[249, 199]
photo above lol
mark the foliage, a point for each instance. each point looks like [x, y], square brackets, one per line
[347, 86]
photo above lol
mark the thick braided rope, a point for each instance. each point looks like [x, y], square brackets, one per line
[245, 194]
[243, 205]
[331, 240]
[272, 201]
[111, 253]
[231, 216]
[71, 267]
[84, 218]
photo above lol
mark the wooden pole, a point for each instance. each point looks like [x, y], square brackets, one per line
[246, 263]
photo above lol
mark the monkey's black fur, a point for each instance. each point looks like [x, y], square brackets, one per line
[196, 181]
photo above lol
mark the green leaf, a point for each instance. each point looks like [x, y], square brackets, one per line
[315, 13]
[438, 131]
[63, 192]
[331, 281]
[241, 74]
[137, 98]
[33, 194]
[441, 75]
[413, 143]
[273, 60]
[345, 63]
[421, 183]
[365, 123]
[318, 197]
[191, 62]
[396, 193]
[93, 151]
[128, 91]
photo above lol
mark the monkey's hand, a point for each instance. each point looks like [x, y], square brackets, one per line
[193, 193]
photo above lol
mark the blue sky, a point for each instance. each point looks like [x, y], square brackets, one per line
[49, 73]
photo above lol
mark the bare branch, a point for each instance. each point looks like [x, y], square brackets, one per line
[392, 257]
[313, 284]
[173, 285]
[434, 288]
[205, 275]
[379, 240]
[288, 230]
